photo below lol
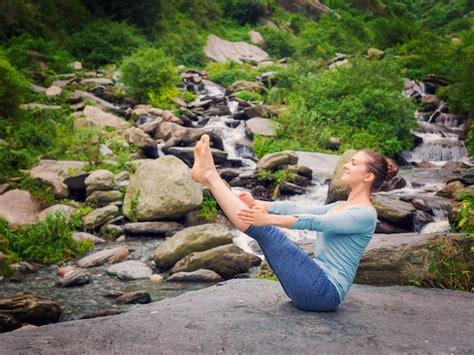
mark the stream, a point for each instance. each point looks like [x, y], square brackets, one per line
[439, 142]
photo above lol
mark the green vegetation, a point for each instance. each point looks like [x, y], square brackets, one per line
[208, 209]
[150, 76]
[47, 242]
[463, 221]
[450, 265]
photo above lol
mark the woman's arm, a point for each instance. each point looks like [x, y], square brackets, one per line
[289, 207]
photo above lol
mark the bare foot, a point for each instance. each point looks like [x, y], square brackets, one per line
[203, 169]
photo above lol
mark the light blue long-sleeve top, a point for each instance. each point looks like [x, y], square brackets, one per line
[342, 236]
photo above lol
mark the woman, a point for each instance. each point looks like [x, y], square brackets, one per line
[345, 228]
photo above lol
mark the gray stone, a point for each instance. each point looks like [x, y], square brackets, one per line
[130, 270]
[379, 320]
[18, 208]
[262, 126]
[158, 228]
[189, 240]
[220, 50]
[101, 179]
[74, 278]
[175, 195]
[273, 161]
[201, 275]
[66, 210]
[94, 117]
[107, 256]
[187, 154]
[100, 198]
[80, 236]
[100, 216]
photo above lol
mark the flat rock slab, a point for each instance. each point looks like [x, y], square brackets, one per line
[255, 316]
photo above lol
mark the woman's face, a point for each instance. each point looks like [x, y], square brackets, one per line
[355, 171]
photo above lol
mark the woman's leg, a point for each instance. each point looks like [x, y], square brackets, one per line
[304, 282]
[205, 173]
[301, 278]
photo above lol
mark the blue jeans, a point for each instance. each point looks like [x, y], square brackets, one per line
[302, 279]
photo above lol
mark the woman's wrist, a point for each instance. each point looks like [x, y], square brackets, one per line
[285, 221]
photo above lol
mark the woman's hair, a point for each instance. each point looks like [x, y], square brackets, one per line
[382, 167]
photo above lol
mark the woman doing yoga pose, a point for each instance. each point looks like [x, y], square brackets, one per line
[344, 227]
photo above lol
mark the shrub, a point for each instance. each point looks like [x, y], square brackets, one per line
[26, 53]
[47, 242]
[208, 209]
[149, 74]
[229, 72]
[13, 88]
[104, 42]
[278, 43]
[244, 11]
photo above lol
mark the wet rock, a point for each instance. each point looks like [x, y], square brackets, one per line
[80, 236]
[141, 140]
[94, 117]
[104, 313]
[65, 210]
[175, 135]
[141, 297]
[130, 270]
[63, 270]
[220, 50]
[173, 197]
[289, 188]
[394, 211]
[189, 240]
[273, 161]
[152, 228]
[18, 208]
[54, 173]
[229, 173]
[74, 278]
[450, 189]
[201, 275]
[100, 216]
[25, 307]
[227, 260]
[107, 256]
[187, 154]
[300, 170]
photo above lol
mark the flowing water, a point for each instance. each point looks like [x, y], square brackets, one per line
[439, 132]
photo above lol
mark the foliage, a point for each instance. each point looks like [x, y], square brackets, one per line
[245, 11]
[104, 42]
[188, 96]
[249, 96]
[12, 89]
[278, 43]
[208, 209]
[47, 242]
[149, 74]
[229, 72]
[28, 54]
[463, 220]
[450, 265]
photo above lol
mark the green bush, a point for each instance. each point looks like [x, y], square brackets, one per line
[245, 11]
[103, 42]
[26, 53]
[47, 242]
[278, 43]
[208, 209]
[149, 74]
[13, 88]
[229, 72]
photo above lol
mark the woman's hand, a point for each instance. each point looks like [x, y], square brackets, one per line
[257, 215]
[247, 198]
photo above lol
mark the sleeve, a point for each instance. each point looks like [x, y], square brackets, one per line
[288, 207]
[351, 220]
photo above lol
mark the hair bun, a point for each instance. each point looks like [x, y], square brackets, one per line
[392, 170]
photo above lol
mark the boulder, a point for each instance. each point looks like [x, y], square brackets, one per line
[220, 50]
[102, 180]
[421, 320]
[151, 228]
[262, 126]
[94, 117]
[338, 190]
[80, 236]
[201, 275]
[175, 195]
[20, 308]
[107, 256]
[227, 260]
[100, 216]
[74, 278]
[130, 270]
[187, 154]
[189, 240]
[66, 210]
[101, 198]
[53, 91]
[273, 161]
[53, 173]
[18, 208]
[140, 139]
[256, 38]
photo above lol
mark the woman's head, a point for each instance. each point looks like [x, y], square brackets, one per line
[369, 167]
